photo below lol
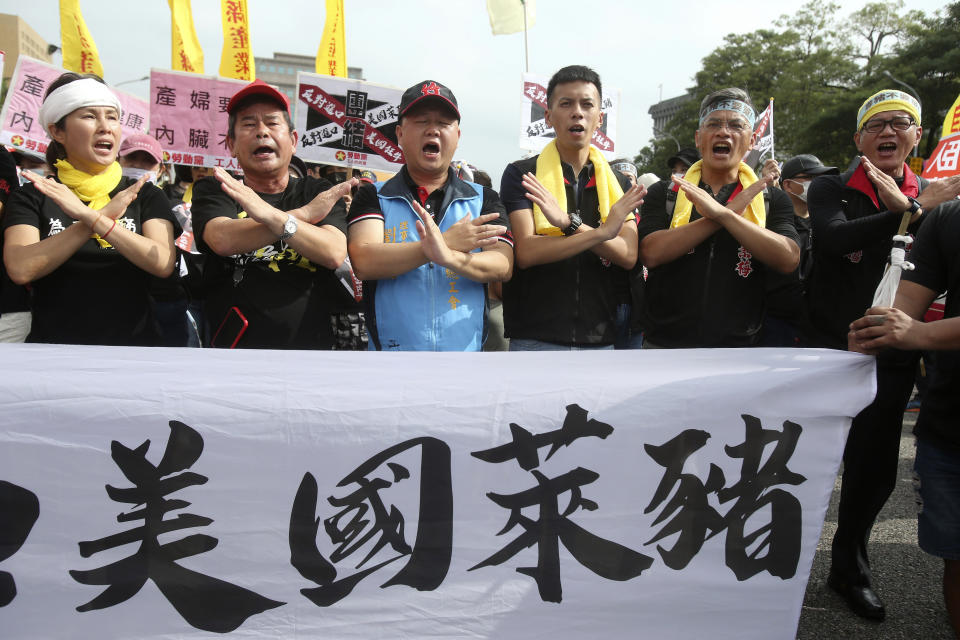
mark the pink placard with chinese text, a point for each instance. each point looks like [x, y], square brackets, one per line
[21, 123]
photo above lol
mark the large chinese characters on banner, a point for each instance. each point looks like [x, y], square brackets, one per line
[181, 492]
[188, 116]
[349, 123]
[535, 133]
[21, 123]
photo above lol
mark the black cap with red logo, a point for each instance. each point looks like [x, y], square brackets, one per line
[428, 90]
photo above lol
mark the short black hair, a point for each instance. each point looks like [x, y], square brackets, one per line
[252, 99]
[573, 73]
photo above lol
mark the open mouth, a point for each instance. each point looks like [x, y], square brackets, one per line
[721, 149]
[103, 145]
[263, 152]
[887, 147]
[577, 128]
[431, 149]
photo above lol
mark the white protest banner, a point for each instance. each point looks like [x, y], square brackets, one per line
[535, 132]
[348, 123]
[159, 493]
[188, 116]
[21, 124]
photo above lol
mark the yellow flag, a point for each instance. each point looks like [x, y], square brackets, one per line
[236, 60]
[332, 54]
[506, 16]
[79, 49]
[185, 51]
[951, 124]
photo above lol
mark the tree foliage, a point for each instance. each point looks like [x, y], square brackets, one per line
[819, 67]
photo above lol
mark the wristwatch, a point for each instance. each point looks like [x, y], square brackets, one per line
[575, 223]
[289, 228]
[914, 205]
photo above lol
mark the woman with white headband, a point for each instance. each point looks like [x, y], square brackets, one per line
[87, 241]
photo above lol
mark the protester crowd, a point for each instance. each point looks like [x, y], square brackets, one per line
[572, 253]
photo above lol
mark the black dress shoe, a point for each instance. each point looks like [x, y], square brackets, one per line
[861, 599]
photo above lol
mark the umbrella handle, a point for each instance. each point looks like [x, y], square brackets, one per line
[904, 222]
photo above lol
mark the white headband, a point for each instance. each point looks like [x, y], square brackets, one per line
[73, 95]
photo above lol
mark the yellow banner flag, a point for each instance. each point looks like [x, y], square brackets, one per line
[951, 124]
[79, 49]
[236, 60]
[332, 54]
[185, 51]
[507, 16]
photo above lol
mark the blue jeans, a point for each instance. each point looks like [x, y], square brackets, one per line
[937, 486]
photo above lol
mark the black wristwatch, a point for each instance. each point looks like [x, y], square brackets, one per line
[914, 205]
[575, 223]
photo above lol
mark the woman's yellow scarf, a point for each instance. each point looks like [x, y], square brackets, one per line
[93, 189]
[755, 212]
[550, 173]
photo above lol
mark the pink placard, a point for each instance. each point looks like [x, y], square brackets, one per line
[21, 123]
[188, 115]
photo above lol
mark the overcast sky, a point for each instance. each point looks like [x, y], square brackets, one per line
[647, 50]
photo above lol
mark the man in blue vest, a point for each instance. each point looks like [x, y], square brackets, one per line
[423, 242]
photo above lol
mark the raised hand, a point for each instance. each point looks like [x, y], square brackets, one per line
[243, 195]
[431, 240]
[318, 208]
[542, 197]
[886, 187]
[468, 233]
[71, 205]
[705, 204]
[622, 208]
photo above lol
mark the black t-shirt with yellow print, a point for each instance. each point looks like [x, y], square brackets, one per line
[284, 297]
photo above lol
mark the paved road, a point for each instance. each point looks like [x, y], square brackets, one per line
[908, 580]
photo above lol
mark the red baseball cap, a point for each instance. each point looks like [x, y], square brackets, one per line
[258, 87]
[142, 142]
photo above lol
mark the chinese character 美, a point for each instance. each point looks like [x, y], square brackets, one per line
[368, 525]
[19, 510]
[167, 96]
[553, 526]
[204, 602]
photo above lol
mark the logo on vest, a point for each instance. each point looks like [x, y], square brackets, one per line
[744, 266]
[855, 256]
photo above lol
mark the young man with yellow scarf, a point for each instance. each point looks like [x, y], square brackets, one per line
[574, 233]
[854, 217]
[707, 253]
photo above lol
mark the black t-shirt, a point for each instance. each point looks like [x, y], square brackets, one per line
[937, 266]
[13, 297]
[97, 296]
[283, 296]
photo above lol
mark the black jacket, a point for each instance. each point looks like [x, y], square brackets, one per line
[714, 295]
[852, 235]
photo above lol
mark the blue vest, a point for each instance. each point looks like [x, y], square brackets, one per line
[430, 308]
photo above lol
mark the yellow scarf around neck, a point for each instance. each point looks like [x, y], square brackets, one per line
[550, 173]
[93, 189]
[755, 211]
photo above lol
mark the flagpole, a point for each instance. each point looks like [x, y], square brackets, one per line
[526, 51]
[773, 140]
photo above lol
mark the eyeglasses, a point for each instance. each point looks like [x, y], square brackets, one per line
[900, 123]
[733, 126]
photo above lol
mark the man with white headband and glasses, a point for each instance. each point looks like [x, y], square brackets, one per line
[708, 238]
[87, 241]
[854, 218]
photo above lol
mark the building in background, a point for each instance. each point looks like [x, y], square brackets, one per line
[664, 110]
[281, 71]
[18, 38]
